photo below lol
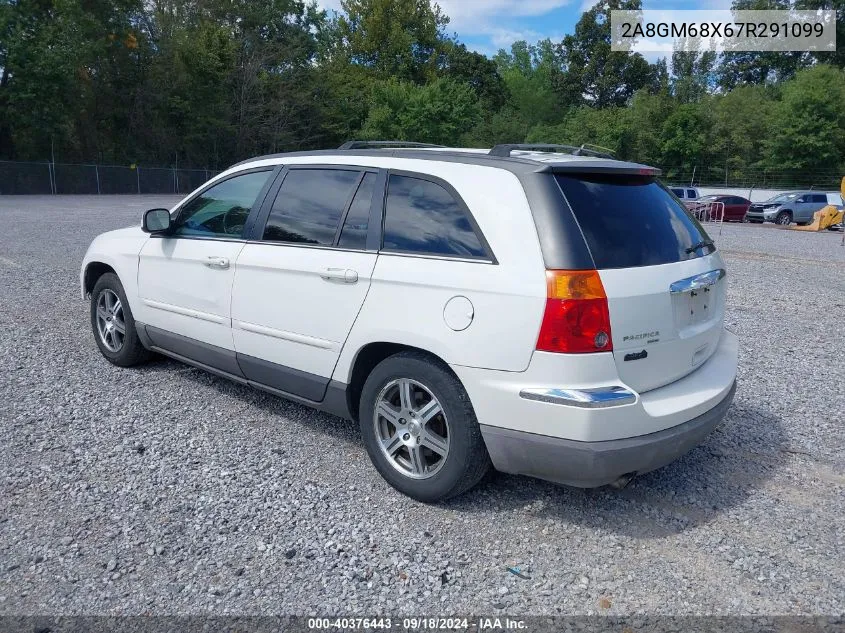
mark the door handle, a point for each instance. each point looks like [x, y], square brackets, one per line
[343, 275]
[221, 263]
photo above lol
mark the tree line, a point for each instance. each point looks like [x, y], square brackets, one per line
[206, 83]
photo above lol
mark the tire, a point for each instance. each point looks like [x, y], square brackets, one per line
[784, 218]
[123, 350]
[466, 460]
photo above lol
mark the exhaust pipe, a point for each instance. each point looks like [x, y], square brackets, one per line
[623, 481]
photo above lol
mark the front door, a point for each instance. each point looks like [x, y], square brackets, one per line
[300, 283]
[185, 278]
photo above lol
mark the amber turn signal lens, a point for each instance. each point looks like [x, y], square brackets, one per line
[574, 284]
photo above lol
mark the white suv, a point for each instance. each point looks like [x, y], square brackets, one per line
[551, 314]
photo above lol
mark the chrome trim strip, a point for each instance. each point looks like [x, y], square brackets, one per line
[196, 314]
[597, 398]
[285, 336]
[697, 281]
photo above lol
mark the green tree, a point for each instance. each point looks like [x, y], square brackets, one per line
[685, 137]
[741, 122]
[66, 69]
[808, 125]
[476, 70]
[528, 73]
[643, 120]
[397, 38]
[439, 112]
[591, 72]
[692, 74]
[603, 127]
[757, 67]
[836, 58]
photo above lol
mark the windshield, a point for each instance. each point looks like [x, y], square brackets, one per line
[631, 221]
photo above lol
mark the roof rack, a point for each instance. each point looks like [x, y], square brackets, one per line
[374, 144]
[586, 149]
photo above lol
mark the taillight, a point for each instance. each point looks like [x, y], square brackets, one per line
[577, 319]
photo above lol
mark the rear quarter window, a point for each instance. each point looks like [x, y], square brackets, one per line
[423, 217]
[631, 221]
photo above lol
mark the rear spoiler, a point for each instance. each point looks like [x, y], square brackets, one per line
[600, 167]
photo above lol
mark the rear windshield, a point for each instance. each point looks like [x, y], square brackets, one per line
[631, 221]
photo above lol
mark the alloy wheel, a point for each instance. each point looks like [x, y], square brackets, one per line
[110, 322]
[411, 428]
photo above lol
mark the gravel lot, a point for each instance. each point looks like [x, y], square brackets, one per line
[165, 490]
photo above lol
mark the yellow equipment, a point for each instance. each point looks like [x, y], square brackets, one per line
[824, 218]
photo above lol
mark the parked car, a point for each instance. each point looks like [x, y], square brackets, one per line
[685, 193]
[785, 208]
[554, 315]
[735, 207]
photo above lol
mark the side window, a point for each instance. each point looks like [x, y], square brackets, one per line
[678, 192]
[309, 205]
[423, 217]
[691, 194]
[820, 197]
[354, 232]
[221, 210]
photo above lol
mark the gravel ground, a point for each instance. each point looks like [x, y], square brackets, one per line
[165, 490]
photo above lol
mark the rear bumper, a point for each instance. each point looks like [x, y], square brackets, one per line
[593, 464]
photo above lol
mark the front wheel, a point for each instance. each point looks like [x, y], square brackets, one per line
[113, 324]
[420, 429]
[783, 218]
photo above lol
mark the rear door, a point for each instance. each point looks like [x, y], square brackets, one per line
[300, 282]
[819, 202]
[734, 208]
[665, 286]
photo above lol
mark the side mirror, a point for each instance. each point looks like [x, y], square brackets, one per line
[156, 221]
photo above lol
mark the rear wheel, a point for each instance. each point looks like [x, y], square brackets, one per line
[113, 325]
[420, 429]
[784, 218]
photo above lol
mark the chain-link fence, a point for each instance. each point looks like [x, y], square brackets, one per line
[18, 177]
[709, 176]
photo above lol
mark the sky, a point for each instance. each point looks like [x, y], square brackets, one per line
[488, 25]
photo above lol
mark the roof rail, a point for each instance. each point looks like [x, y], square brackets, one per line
[374, 144]
[584, 150]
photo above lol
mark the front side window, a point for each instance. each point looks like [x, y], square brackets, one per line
[423, 217]
[309, 206]
[221, 210]
[819, 197]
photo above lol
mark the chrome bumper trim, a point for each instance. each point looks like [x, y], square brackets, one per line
[598, 398]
